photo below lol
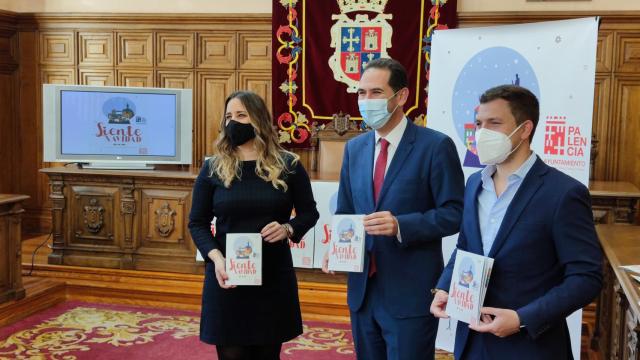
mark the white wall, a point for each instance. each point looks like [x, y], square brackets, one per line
[138, 6]
[5, 4]
[264, 6]
[524, 5]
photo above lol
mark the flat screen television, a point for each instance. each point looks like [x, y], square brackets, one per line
[116, 127]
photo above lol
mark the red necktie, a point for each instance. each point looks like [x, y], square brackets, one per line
[381, 166]
[378, 180]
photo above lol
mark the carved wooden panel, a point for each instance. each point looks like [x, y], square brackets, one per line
[628, 52]
[58, 76]
[604, 51]
[164, 221]
[175, 50]
[625, 132]
[254, 51]
[216, 50]
[136, 78]
[57, 48]
[95, 49]
[135, 48]
[96, 77]
[602, 123]
[213, 88]
[92, 215]
[258, 82]
[175, 79]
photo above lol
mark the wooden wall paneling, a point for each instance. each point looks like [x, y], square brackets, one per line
[602, 123]
[57, 48]
[135, 78]
[604, 51]
[254, 51]
[8, 148]
[29, 136]
[212, 89]
[216, 50]
[8, 50]
[258, 82]
[624, 157]
[135, 48]
[62, 76]
[175, 79]
[95, 49]
[8, 105]
[175, 49]
[96, 77]
[627, 52]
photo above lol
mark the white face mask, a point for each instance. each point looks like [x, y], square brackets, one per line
[374, 111]
[494, 147]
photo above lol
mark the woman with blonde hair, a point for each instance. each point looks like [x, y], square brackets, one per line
[250, 185]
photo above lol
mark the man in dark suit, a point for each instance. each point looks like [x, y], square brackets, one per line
[408, 181]
[536, 223]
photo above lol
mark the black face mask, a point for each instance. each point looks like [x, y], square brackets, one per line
[239, 133]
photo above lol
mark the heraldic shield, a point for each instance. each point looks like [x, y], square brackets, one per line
[357, 42]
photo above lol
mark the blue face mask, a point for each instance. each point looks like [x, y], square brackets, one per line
[374, 111]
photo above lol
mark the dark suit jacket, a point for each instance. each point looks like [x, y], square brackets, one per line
[423, 188]
[547, 265]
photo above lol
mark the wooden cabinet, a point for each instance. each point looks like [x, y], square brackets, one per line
[10, 242]
[619, 313]
[122, 219]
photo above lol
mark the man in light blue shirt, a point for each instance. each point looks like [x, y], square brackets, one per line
[537, 225]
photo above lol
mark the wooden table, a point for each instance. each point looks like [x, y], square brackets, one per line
[619, 310]
[10, 244]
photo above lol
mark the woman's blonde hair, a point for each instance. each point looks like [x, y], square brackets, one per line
[273, 161]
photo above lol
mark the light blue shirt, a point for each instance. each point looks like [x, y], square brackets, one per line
[492, 208]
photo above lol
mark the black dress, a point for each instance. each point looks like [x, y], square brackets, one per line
[251, 315]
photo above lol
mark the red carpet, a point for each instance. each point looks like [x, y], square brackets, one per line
[76, 330]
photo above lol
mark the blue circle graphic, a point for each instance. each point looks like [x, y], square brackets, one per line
[488, 68]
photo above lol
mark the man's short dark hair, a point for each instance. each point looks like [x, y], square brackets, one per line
[398, 74]
[522, 102]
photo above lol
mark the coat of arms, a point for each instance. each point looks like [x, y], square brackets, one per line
[357, 42]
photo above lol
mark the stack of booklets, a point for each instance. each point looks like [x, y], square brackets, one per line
[346, 247]
[468, 287]
[244, 259]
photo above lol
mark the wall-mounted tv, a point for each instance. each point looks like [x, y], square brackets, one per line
[116, 127]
